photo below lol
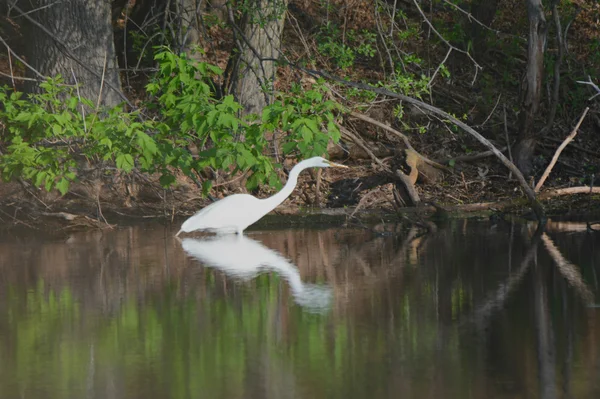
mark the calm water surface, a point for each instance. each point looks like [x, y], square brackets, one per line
[470, 311]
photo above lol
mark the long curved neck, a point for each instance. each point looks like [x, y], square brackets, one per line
[288, 189]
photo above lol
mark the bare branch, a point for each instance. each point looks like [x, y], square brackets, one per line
[410, 188]
[589, 82]
[492, 113]
[439, 35]
[22, 60]
[559, 150]
[471, 18]
[439, 67]
[402, 136]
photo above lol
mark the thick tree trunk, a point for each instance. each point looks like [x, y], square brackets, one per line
[531, 89]
[258, 40]
[84, 26]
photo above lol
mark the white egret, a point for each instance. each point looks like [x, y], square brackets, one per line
[234, 213]
[244, 259]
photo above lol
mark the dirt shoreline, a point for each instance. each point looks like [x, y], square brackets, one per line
[69, 214]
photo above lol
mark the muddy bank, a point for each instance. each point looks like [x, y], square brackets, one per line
[106, 206]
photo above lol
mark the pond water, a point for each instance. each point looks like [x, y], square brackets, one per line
[472, 310]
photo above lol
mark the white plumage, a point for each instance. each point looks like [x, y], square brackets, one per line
[235, 213]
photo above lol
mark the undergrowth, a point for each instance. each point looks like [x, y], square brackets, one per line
[52, 138]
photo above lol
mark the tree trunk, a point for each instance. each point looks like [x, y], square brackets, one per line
[531, 88]
[252, 69]
[84, 26]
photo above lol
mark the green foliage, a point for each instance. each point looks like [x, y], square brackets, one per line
[301, 117]
[186, 104]
[343, 54]
[47, 138]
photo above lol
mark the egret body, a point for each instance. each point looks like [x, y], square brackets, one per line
[235, 213]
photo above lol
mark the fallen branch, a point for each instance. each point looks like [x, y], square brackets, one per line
[560, 149]
[569, 191]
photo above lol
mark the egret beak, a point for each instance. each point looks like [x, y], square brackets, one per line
[337, 165]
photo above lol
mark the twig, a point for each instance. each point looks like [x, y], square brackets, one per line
[590, 198]
[590, 83]
[230, 181]
[22, 60]
[17, 221]
[471, 158]
[507, 141]
[79, 97]
[471, 18]
[100, 210]
[361, 203]
[569, 138]
[439, 35]
[439, 67]
[572, 146]
[102, 81]
[12, 74]
[13, 77]
[402, 136]
[412, 193]
[492, 113]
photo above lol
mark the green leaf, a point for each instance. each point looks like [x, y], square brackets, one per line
[63, 186]
[146, 143]
[289, 147]
[166, 180]
[307, 134]
[23, 116]
[206, 186]
[125, 162]
[40, 178]
[73, 102]
[105, 141]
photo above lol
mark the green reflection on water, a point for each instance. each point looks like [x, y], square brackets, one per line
[403, 331]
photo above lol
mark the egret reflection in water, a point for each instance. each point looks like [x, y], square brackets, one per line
[244, 258]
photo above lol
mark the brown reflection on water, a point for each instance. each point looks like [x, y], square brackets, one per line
[470, 311]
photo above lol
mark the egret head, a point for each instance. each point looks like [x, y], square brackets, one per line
[319, 162]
